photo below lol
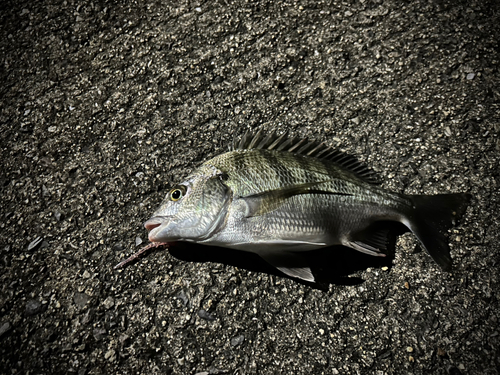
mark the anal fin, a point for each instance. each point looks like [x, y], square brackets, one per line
[364, 248]
[376, 240]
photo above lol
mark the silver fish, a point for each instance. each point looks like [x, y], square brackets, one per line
[278, 197]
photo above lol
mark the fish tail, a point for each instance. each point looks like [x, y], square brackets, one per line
[433, 216]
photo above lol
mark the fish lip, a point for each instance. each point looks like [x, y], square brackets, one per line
[154, 225]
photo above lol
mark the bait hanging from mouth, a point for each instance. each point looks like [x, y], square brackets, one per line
[141, 253]
[279, 197]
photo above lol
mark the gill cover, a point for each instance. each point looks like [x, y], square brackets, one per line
[193, 210]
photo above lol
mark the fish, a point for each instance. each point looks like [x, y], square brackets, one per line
[279, 197]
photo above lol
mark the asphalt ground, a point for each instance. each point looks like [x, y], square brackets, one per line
[104, 105]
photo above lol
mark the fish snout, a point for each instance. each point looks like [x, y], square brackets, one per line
[152, 223]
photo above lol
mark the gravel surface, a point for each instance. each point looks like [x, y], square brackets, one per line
[104, 106]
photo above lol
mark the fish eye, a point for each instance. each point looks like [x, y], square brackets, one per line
[177, 193]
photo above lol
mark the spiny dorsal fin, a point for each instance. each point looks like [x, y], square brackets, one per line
[303, 146]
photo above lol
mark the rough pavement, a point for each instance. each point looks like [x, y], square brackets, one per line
[104, 106]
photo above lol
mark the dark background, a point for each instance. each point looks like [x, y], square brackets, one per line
[104, 104]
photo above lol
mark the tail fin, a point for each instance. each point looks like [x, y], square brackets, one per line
[433, 216]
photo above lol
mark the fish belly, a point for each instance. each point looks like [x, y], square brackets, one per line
[304, 222]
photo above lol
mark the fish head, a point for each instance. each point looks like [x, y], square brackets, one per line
[192, 210]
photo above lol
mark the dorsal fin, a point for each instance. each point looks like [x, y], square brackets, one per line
[303, 146]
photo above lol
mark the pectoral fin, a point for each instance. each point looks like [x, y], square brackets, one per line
[269, 200]
[303, 273]
[290, 264]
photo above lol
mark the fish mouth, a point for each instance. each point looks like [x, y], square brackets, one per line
[154, 225]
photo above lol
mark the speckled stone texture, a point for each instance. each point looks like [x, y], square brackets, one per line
[104, 105]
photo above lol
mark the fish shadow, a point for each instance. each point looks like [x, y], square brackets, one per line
[331, 265]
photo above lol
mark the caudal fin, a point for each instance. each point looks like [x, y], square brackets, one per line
[433, 216]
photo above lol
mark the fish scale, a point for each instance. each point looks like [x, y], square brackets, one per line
[279, 197]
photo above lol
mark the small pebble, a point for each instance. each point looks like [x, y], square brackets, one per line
[33, 307]
[110, 354]
[138, 241]
[238, 340]
[118, 247]
[58, 215]
[385, 355]
[183, 297]
[99, 333]
[109, 303]
[123, 339]
[80, 299]
[470, 76]
[203, 314]
[4, 328]
[45, 191]
[35, 243]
